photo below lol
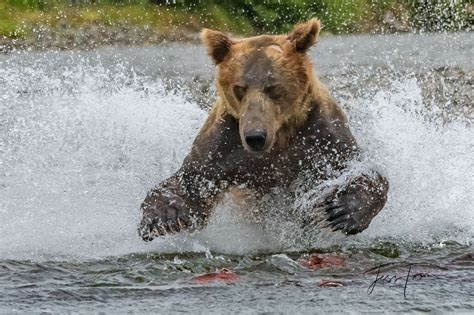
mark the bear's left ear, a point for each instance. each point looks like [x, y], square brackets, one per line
[303, 36]
[218, 44]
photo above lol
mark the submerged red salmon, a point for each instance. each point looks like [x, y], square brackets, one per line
[223, 275]
[317, 261]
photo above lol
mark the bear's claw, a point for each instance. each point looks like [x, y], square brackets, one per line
[149, 229]
[352, 208]
[163, 213]
[345, 212]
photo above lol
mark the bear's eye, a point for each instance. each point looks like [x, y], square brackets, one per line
[273, 91]
[239, 92]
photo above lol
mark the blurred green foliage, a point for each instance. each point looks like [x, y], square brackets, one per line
[340, 16]
[276, 16]
[438, 15]
[245, 16]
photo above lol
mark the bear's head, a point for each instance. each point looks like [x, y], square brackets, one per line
[264, 81]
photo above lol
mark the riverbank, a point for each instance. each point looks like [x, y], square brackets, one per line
[85, 24]
[88, 27]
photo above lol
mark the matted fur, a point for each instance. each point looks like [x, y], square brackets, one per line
[266, 91]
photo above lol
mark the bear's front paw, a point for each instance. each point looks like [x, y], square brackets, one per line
[346, 211]
[163, 213]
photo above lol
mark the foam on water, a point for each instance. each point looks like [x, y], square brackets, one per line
[429, 164]
[80, 147]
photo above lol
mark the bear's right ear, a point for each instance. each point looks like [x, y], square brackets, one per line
[218, 44]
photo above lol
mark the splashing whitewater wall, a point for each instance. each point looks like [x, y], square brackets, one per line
[81, 144]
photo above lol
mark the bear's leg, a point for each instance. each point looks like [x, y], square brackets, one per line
[350, 208]
[185, 200]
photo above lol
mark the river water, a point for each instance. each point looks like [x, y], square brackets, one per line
[84, 136]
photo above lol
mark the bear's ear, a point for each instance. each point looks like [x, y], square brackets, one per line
[218, 44]
[303, 36]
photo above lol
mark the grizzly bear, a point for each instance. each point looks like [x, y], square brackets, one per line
[273, 122]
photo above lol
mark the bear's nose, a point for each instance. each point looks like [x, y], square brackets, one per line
[256, 139]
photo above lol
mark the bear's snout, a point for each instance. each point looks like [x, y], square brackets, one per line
[256, 139]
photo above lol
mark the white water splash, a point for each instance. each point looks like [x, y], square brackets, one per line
[81, 146]
[76, 163]
[429, 164]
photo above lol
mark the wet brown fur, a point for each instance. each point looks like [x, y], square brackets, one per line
[305, 122]
[297, 74]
